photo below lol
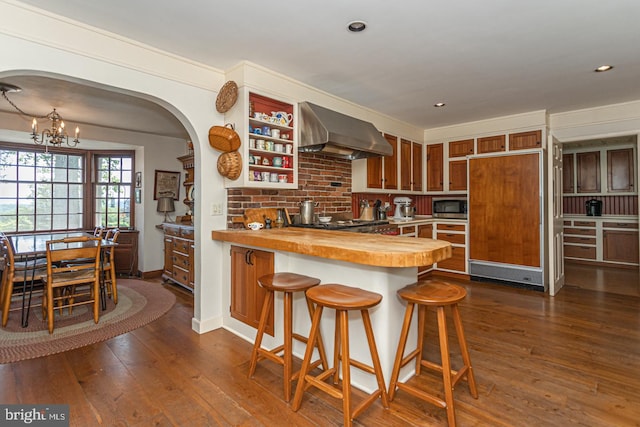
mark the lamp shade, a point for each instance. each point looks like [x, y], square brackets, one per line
[165, 204]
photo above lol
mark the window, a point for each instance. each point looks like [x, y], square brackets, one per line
[40, 191]
[113, 183]
[52, 191]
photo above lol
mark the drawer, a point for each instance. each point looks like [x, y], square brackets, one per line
[627, 225]
[171, 231]
[451, 227]
[451, 237]
[584, 252]
[181, 245]
[581, 231]
[582, 240]
[567, 223]
[181, 260]
[584, 223]
[456, 262]
[180, 275]
[407, 230]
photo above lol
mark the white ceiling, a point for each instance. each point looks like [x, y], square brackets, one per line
[482, 58]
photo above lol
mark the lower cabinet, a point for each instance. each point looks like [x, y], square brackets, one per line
[247, 265]
[601, 240]
[178, 254]
[126, 254]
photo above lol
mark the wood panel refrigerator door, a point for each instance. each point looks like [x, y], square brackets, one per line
[556, 233]
[504, 209]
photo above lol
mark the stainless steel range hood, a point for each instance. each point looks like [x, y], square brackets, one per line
[335, 134]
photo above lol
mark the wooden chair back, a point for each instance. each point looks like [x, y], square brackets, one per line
[73, 248]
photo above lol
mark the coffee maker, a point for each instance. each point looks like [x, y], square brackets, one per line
[404, 210]
[593, 207]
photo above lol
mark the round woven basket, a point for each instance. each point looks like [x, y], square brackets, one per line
[227, 96]
[230, 165]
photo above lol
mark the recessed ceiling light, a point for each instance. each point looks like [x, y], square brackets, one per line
[439, 104]
[603, 68]
[356, 26]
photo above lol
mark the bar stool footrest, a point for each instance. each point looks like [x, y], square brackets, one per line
[422, 395]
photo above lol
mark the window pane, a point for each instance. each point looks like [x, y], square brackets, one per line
[59, 222]
[60, 206]
[76, 191]
[26, 222]
[26, 207]
[103, 177]
[8, 222]
[43, 174]
[9, 189]
[75, 162]
[9, 172]
[8, 207]
[60, 191]
[9, 157]
[26, 190]
[75, 206]
[43, 222]
[59, 175]
[26, 158]
[59, 160]
[126, 177]
[26, 173]
[75, 221]
[75, 175]
[43, 190]
[103, 163]
[127, 163]
[43, 206]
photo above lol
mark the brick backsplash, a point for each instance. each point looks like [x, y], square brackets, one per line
[315, 175]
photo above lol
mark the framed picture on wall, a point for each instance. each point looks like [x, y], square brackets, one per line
[167, 184]
[138, 195]
[138, 179]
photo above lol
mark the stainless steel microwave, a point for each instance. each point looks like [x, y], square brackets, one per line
[450, 208]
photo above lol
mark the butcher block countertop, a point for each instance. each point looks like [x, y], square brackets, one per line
[361, 248]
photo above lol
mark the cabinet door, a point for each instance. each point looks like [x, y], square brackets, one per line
[458, 175]
[391, 164]
[405, 165]
[620, 170]
[374, 172]
[491, 144]
[568, 175]
[168, 255]
[416, 172]
[247, 265]
[588, 172]
[126, 253]
[425, 231]
[435, 158]
[523, 140]
[192, 265]
[620, 246]
[461, 148]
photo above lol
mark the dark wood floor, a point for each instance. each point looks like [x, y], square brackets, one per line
[569, 360]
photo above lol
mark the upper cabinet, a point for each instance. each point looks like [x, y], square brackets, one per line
[268, 131]
[382, 172]
[435, 167]
[524, 140]
[410, 165]
[491, 144]
[599, 170]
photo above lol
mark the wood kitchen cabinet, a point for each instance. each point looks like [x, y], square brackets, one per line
[620, 242]
[382, 172]
[588, 172]
[410, 165]
[568, 173]
[178, 254]
[524, 140]
[620, 175]
[458, 175]
[435, 167]
[247, 265]
[491, 144]
[461, 148]
[456, 235]
[425, 231]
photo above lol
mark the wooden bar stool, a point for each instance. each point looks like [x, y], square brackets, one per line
[342, 299]
[287, 283]
[438, 294]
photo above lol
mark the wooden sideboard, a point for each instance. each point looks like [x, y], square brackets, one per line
[126, 255]
[179, 254]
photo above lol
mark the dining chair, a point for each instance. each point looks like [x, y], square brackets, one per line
[21, 272]
[109, 265]
[72, 284]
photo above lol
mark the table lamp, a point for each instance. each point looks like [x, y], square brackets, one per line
[165, 205]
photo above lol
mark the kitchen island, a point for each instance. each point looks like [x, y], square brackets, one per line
[378, 263]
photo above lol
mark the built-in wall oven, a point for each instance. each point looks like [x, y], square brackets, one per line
[450, 208]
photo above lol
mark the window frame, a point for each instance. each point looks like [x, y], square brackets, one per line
[89, 174]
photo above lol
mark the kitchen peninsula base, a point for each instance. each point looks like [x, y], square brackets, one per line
[386, 318]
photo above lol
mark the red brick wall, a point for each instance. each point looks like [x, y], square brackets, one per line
[315, 175]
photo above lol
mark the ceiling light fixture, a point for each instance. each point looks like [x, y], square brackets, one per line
[56, 135]
[357, 26]
[603, 68]
[439, 104]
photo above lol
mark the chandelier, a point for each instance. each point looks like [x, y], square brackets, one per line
[55, 135]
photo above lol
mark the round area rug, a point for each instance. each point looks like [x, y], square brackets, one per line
[139, 303]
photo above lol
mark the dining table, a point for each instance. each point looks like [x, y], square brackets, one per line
[32, 246]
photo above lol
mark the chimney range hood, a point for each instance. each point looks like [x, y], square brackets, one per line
[330, 133]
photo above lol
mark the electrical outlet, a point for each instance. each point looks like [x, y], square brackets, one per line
[216, 209]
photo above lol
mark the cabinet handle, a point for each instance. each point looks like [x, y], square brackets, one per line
[247, 257]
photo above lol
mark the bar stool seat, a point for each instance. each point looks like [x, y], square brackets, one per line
[288, 283]
[342, 299]
[438, 294]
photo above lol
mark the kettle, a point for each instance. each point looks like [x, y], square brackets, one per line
[593, 207]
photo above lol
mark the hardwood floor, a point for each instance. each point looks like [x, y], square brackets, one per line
[539, 361]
